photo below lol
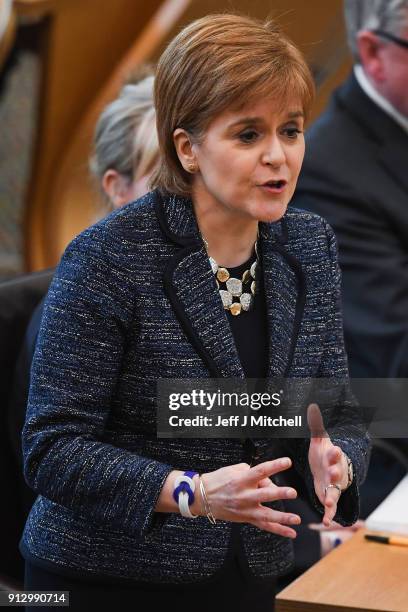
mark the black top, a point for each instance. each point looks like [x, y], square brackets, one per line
[249, 328]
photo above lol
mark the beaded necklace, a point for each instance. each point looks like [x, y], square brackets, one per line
[237, 294]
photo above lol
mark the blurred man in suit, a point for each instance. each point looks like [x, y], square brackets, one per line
[355, 175]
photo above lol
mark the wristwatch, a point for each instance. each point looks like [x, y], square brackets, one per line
[350, 471]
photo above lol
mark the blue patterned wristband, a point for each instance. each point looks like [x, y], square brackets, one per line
[184, 485]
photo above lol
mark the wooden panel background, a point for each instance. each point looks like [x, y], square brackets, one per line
[89, 46]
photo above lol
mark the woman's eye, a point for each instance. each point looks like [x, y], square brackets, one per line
[248, 136]
[292, 132]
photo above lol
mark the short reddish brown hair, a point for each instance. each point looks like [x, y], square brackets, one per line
[215, 63]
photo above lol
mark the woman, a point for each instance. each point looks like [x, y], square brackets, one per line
[125, 144]
[135, 299]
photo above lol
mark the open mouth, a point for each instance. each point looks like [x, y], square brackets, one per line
[279, 184]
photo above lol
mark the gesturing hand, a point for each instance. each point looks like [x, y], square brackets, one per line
[327, 463]
[237, 493]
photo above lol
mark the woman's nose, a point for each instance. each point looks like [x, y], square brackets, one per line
[274, 154]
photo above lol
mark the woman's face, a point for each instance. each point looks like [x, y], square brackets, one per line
[249, 160]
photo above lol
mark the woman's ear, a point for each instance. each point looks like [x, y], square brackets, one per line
[184, 149]
[116, 186]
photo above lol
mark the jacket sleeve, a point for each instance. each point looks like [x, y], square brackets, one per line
[76, 368]
[349, 433]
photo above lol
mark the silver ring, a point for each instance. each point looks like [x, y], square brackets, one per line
[332, 486]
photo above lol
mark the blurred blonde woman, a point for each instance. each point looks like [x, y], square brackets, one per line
[125, 145]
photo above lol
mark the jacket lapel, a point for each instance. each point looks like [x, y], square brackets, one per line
[190, 286]
[285, 294]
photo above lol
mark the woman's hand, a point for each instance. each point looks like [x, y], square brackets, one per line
[335, 534]
[237, 493]
[327, 463]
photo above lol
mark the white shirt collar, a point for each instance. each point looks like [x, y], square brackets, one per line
[378, 99]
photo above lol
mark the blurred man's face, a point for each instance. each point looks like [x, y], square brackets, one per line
[394, 85]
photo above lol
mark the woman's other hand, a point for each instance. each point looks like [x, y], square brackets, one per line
[237, 493]
[327, 463]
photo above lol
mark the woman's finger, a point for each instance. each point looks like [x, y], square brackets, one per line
[269, 494]
[263, 470]
[337, 466]
[334, 455]
[329, 514]
[330, 505]
[276, 528]
[315, 421]
[268, 515]
[357, 525]
[265, 482]
[334, 473]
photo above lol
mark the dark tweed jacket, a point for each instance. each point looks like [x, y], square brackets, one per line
[133, 300]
